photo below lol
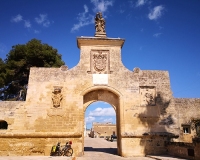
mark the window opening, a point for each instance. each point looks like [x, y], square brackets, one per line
[191, 152]
[186, 129]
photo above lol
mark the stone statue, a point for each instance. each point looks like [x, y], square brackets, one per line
[100, 25]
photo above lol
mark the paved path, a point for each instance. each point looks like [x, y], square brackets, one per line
[100, 149]
[166, 158]
[95, 149]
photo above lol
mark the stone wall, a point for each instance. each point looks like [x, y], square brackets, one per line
[183, 111]
[144, 145]
[146, 113]
[196, 142]
[30, 145]
[103, 129]
[14, 114]
[184, 150]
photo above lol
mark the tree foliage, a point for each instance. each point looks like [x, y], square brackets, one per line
[2, 72]
[14, 70]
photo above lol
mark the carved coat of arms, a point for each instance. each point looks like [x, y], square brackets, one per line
[57, 97]
[99, 61]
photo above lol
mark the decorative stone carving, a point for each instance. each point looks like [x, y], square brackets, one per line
[147, 95]
[100, 25]
[57, 96]
[100, 62]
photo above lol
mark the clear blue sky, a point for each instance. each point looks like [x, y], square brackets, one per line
[159, 34]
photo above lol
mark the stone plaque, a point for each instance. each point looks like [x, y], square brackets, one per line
[100, 79]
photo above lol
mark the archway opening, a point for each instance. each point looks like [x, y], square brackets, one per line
[100, 128]
[102, 122]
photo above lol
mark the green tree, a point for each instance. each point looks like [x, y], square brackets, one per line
[15, 70]
[2, 72]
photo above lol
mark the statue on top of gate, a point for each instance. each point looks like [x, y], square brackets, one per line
[100, 25]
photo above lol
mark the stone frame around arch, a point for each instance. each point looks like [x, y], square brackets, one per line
[111, 96]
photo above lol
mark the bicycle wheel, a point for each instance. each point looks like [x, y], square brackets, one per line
[68, 152]
[61, 153]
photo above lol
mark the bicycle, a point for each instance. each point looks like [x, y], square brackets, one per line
[62, 151]
[56, 150]
[67, 149]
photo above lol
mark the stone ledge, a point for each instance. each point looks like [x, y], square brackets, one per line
[182, 144]
[149, 134]
[40, 135]
[99, 41]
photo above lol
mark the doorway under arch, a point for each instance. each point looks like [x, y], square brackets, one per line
[110, 96]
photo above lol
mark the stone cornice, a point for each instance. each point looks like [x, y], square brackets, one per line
[99, 41]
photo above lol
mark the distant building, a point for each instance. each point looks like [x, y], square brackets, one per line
[102, 130]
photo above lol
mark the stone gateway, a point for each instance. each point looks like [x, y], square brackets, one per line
[147, 115]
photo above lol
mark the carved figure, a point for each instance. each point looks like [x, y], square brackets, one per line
[57, 97]
[99, 23]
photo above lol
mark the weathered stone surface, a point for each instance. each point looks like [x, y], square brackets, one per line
[184, 150]
[147, 114]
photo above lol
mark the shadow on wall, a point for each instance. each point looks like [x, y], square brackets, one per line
[157, 122]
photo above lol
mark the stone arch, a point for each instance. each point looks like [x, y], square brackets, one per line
[111, 96]
[3, 124]
[95, 93]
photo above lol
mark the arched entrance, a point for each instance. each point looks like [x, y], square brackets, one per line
[110, 96]
[100, 117]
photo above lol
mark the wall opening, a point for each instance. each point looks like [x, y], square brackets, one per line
[102, 122]
[186, 129]
[191, 152]
[100, 128]
[3, 124]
